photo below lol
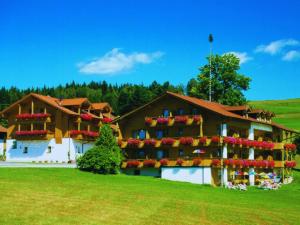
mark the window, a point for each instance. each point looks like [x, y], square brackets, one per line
[180, 131]
[142, 134]
[134, 134]
[49, 149]
[14, 145]
[161, 133]
[25, 150]
[159, 154]
[166, 113]
[180, 111]
[180, 152]
[141, 154]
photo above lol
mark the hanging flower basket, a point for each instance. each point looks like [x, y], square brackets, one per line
[290, 164]
[75, 132]
[28, 116]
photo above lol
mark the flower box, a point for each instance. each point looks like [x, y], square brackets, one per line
[181, 119]
[163, 162]
[186, 140]
[86, 117]
[150, 142]
[133, 142]
[149, 163]
[226, 162]
[89, 133]
[163, 120]
[246, 143]
[133, 164]
[107, 120]
[203, 140]
[179, 162]
[148, 120]
[216, 162]
[197, 119]
[290, 164]
[215, 139]
[75, 132]
[168, 141]
[196, 161]
[291, 147]
[32, 133]
[28, 116]
[271, 164]
[229, 140]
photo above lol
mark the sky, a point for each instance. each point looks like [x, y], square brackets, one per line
[55, 42]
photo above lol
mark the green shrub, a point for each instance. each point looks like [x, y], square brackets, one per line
[2, 158]
[104, 157]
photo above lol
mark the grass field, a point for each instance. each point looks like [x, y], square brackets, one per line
[287, 111]
[68, 196]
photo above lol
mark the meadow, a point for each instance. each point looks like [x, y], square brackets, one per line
[69, 196]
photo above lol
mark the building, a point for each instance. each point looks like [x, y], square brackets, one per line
[46, 129]
[2, 139]
[183, 138]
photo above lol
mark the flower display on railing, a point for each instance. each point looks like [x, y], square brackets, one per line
[120, 142]
[86, 117]
[148, 120]
[181, 119]
[290, 147]
[150, 142]
[107, 120]
[163, 120]
[164, 162]
[133, 142]
[226, 162]
[196, 161]
[28, 116]
[197, 118]
[133, 164]
[290, 164]
[149, 163]
[230, 140]
[216, 162]
[246, 143]
[75, 132]
[271, 164]
[202, 140]
[249, 163]
[32, 133]
[168, 141]
[179, 162]
[215, 139]
[90, 133]
[186, 140]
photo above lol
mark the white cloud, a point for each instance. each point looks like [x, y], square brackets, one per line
[243, 56]
[116, 61]
[276, 46]
[291, 55]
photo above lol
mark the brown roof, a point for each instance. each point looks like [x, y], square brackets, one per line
[236, 108]
[100, 105]
[73, 101]
[3, 129]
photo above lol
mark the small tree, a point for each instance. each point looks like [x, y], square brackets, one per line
[104, 157]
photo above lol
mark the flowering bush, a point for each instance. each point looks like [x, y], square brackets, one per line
[179, 162]
[32, 133]
[133, 164]
[107, 120]
[215, 139]
[164, 162]
[216, 162]
[197, 118]
[186, 140]
[148, 120]
[90, 133]
[149, 163]
[163, 120]
[203, 140]
[181, 119]
[28, 116]
[75, 132]
[150, 142]
[133, 142]
[290, 164]
[290, 147]
[86, 117]
[196, 161]
[167, 141]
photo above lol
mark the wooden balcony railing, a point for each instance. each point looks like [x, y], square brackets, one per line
[171, 120]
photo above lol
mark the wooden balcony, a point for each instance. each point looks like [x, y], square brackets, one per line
[174, 120]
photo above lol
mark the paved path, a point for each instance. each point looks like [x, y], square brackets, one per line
[37, 165]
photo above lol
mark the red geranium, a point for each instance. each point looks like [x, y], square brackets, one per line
[107, 120]
[290, 146]
[186, 140]
[133, 164]
[32, 133]
[86, 117]
[202, 140]
[196, 161]
[149, 163]
[181, 119]
[216, 162]
[167, 141]
[179, 162]
[133, 142]
[164, 162]
[148, 120]
[271, 164]
[90, 133]
[163, 120]
[75, 132]
[150, 142]
[226, 162]
[215, 139]
[197, 118]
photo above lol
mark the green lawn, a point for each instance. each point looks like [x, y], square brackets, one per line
[68, 196]
[287, 111]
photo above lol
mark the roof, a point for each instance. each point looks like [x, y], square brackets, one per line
[237, 108]
[215, 107]
[100, 105]
[3, 129]
[73, 101]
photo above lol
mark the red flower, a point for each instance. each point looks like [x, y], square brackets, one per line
[216, 162]
[246, 163]
[253, 163]
[151, 142]
[133, 164]
[90, 133]
[32, 133]
[181, 119]
[290, 147]
[163, 120]
[167, 141]
[149, 163]
[215, 139]
[226, 162]
[196, 161]
[28, 116]
[107, 120]
[246, 143]
[202, 140]
[290, 164]
[179, 162]
[259, 163]
[271, 164]
[133, 142]
[86, 117]
[197, 118]
[74, 132]
[265, 163]
[164, 162]
[229, 140]
[148, 120]
[186, 140]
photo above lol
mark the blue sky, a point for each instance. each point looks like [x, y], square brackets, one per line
[54, 42]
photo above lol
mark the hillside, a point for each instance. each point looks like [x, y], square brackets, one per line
[287, 111]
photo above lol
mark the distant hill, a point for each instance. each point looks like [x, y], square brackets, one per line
[287, 111]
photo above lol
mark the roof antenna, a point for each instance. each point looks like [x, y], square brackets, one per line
[210, 39]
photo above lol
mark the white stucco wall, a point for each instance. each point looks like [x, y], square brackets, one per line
[196, 175]
[38, 150]
[1, 146]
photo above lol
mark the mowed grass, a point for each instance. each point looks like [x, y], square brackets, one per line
[69, 196]
[287, 111]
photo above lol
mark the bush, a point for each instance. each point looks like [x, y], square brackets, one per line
[104, 157]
